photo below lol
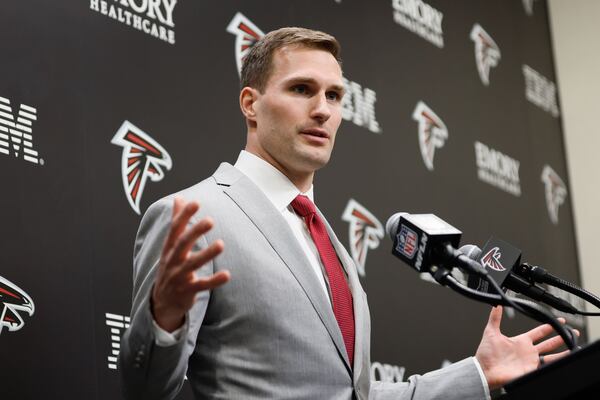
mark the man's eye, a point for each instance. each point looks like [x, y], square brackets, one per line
[300, 89]
[334, 96]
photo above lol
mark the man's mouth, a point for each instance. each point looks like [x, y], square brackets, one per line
[315, 132]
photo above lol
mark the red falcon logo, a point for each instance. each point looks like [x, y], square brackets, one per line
[142, 158]
[491, 259]
[13, 301]
[432, 132]
[246, 35]
[487, 52]
[365, 232]
[556, 192]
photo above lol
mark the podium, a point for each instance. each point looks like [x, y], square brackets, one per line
[576, 376]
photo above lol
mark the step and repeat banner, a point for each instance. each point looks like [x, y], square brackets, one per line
[108, 105]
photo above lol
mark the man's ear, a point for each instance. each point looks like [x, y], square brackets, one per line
[248, 98]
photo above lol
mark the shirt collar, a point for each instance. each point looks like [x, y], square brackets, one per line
[272, 182]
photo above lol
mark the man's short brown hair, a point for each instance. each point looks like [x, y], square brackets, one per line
[258, 63]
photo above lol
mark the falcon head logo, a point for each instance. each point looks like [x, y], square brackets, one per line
[13, 302]
[142, 158]
[487, 52]
[365, 233]
[246, 35]
[491, 259]
[432, 132]
[556, 192]
[528, 6]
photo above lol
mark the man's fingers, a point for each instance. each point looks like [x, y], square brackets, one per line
[553, 357]
[552, 344]
[186, 241]
[549, 344]
[540, 332]
[177, 205]
[179, 221]
[495, 317]
[212, 282]
[203, 256]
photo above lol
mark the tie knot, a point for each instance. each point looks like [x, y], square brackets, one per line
[303, 206]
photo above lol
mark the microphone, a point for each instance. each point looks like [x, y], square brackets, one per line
[501, 258]
[426, 242]
[471, 251]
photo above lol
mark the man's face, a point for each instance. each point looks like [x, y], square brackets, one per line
[299, 111]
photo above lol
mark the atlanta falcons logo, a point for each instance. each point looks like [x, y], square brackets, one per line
[365, 233]
[13, 301]
[432, 132]
[528, 5]
[142, 158]
[246, 35]
[556, 192]
[491, 259]
[487, 52]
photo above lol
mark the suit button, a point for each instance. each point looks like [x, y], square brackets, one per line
[137, 365]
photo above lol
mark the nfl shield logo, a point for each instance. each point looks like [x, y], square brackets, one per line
[407, 242]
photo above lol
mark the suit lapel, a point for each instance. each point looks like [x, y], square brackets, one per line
[275, 229]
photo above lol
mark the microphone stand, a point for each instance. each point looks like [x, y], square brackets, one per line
[528, 308]
[540, 275]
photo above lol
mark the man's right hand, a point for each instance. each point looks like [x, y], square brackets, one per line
[176, 286]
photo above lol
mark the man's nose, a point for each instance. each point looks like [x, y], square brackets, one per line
[320, 108]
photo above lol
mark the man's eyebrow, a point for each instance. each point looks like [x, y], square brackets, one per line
[306, 79]
[339, 88]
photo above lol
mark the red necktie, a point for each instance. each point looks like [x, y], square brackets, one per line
[340, 292]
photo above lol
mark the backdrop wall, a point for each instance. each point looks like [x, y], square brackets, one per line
[106, 106]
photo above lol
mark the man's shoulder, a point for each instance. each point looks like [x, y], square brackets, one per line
[197, 192]
[208, 192]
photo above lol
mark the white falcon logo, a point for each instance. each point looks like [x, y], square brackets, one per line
[247, 34]
[491, 259]
[142, 158]
[13, 302]
[556, 192]
[365, 233]
[432, 132]
[487, 52]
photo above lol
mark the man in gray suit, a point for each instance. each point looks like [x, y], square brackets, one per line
[280, 313]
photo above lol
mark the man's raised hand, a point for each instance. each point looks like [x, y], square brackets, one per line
[504, 358]
[175, 285]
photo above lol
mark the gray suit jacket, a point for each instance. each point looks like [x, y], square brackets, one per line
[270, 333]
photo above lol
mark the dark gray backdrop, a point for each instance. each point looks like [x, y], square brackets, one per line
[67, 228]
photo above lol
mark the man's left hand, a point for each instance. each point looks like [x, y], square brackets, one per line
[505, 358]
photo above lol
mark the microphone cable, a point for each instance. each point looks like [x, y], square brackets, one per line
[540, 275]
[526, 307]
